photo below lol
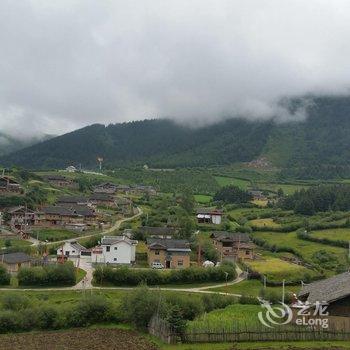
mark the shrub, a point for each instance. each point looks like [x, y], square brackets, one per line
[9, 321]
[15, 302]
[248, 300]
[4, 276]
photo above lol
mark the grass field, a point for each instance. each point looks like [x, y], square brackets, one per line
[252, 288]
[268, 222]
[14, 242]
[337, 234]
[306, 345]
[226, 181]
[202, 198]
[287, 188]
[276, 269]
[53, 234]
[305, 248]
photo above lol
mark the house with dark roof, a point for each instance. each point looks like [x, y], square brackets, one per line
[107, 187]
[114, 250]
[20, 217]
[157, 232]
[102, 199]
[171, 253]
[209, 216]
[333, 291]
[8, 185]
[61, 181]
[233, 245]
[14, 261]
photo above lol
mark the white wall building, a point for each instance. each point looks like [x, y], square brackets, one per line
[70, 250]
[114, 250]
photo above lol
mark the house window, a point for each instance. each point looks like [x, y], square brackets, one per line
[115, 259]
[73, 251]
[247, 252]
[108, 248]
[156, 252]
[115, 248]
[180, 263]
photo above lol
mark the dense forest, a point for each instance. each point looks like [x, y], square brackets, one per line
[318, 147]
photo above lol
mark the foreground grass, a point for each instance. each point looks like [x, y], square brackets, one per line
[252, 288]
[261, 345]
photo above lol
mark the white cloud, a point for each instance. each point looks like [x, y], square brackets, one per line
[65, 64]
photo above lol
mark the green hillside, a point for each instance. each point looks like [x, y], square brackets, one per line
[318, 147]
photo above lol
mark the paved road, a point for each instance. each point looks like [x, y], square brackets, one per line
[105, 232]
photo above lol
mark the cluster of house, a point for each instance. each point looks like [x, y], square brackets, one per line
[163, 250]
[71, 212]
[111, 188]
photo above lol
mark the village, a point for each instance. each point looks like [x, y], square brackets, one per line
[91, 232]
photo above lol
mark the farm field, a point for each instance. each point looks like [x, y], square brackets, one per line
[53, 234]
[337, 234]
[287, 188]
[276, 269]
[235, 314]
[225, 181]
[305, 248]
[264, 222]
[252, 288]
[202, 198]
[93, 338]
[14, 242]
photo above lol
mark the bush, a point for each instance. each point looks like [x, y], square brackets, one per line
[4, 276]
[248, 300]
[93, 309]
[15, 302]
[54, 275]
[132, 277]
[9, 321]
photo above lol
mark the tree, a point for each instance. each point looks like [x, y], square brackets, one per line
[305, 207]
[232, 194]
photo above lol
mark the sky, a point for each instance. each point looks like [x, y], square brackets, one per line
[65, 64]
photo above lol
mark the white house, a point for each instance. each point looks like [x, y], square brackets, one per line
[209, 216]
[114, 250]
[70, 249]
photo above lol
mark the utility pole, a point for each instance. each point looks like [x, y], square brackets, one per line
[283, 291]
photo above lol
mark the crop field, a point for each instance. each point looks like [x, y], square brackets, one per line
[276, 269]
[287, 188]
[232, 315]
[202, 198]
[252, 288]
[337, 234]
[226, 181]
[305, 248]
[14, 242]
[52, 235]
[93, 339]
[268, 222]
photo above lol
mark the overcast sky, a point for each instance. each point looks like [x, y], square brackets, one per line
[66, 64]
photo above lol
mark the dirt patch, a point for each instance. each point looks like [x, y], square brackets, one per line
[92, 339]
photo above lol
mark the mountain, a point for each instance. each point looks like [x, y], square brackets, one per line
[9, 144]
[322, 140]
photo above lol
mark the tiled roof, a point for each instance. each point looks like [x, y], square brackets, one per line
[169, 244]
[159, 231]
[230, 236]
[14, 258]
[328, 290]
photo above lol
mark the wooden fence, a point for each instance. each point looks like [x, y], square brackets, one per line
[240, 333]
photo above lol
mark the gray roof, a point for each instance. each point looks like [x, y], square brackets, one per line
[209, 211]
[83, 210]
[20, 208]
[58, 210]
[328, 290]
[159, 231]
[55, 178]
[109, 240]
[14, 258]
[230, 236]
[169, 244]
[77, 246]
[101, 196]
[72, 199]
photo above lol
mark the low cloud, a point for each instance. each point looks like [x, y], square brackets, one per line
[65, 64]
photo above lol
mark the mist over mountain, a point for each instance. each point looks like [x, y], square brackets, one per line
[321, 139]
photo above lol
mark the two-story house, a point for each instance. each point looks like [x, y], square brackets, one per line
[172, 253]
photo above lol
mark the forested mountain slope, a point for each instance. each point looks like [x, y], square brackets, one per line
[323, 139]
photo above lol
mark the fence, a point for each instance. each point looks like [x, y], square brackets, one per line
[241, 333]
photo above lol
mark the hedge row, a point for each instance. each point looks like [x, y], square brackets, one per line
[336, 243]
[53, 275]
[132, 277]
